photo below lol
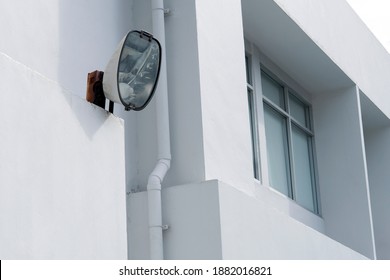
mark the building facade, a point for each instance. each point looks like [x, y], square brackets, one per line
[278, 133]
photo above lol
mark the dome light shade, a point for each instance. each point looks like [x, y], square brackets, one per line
[131, 75]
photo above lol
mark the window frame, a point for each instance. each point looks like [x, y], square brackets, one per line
[308, 131]
[253, 118]
[257, 101]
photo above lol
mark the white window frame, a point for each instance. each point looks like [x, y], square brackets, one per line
[290, 122]
[253, 118]
[257, 99]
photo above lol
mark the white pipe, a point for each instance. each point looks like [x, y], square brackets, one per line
[164, 150]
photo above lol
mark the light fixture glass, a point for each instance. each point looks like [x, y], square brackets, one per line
[132, 73]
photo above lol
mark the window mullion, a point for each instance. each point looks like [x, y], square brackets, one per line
[314, 176]
[254, 133]
[289, 146]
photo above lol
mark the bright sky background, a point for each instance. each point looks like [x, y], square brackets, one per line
[376, 15]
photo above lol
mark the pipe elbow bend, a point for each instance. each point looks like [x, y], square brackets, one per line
[157, 176]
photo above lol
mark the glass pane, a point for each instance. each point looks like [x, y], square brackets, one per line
[298, 110]
[138, 69]
[272, 90]
[303, 167]
[252, 119]
[277, 150]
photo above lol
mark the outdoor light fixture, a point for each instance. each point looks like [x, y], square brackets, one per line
[131, 74]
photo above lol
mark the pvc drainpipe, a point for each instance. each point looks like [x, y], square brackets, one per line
[164, 150]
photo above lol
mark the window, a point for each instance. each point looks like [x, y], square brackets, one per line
[289, 140]
[288, 136]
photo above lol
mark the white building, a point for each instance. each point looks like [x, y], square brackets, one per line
[279, 133]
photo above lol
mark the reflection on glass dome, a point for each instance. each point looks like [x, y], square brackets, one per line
[138, 69]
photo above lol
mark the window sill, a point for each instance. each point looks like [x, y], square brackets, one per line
[284, 204]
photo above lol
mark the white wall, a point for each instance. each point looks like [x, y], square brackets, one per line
[209, 116]
[251, 229]
[339, 32]
[213, 220]
[187, 147]
[138, 226]
[62, 184]
[64, 40]
[225, 116]
[342, 170]
[209, 126]
[192, 214]
[184, 103]
[378, 158]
